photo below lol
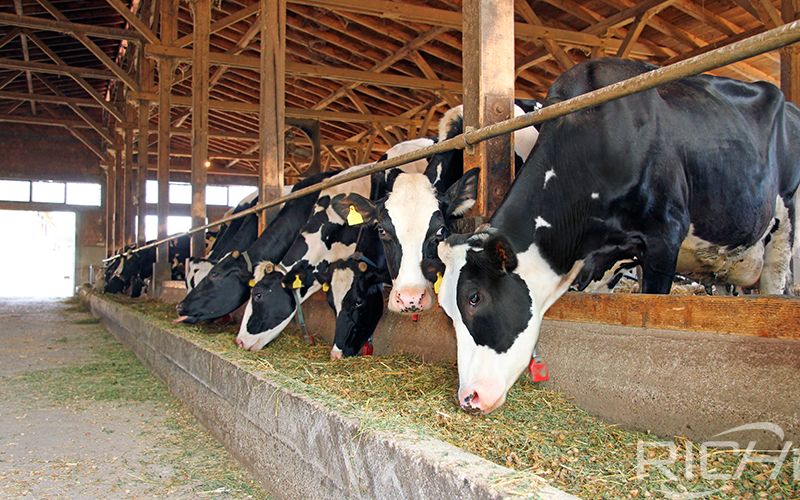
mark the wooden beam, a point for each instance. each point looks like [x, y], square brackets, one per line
[134, 21]
[237, 49]
[223, 23]
[142, 151]
[110, 192]
[489, 94]
[790, 85]
[168, 16]
[25, 55]
[78, 111]
[246, 107]
[401, 11]
[311, 70]
[633, 34]
[200, 81]
[38, 120]
[774, 317]
[52, 99]
[272, 102]
[75, 132]
[38, 23]
[86, 86]
[9, 36]
[99, 53]
[559, 54]
[119, 195]
[393, 58]
[56, 69]
[129, 224]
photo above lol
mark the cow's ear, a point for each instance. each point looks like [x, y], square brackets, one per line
[322, 273]
[500, 253]
[354, 208]
[461, 196]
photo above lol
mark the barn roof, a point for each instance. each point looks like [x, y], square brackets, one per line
[374, 72]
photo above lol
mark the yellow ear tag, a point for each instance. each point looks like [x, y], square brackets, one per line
[252, 283]
[325, 287]
[297, 283]
[353, 217]
[438, 284]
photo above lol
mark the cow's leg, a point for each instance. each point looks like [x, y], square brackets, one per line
[777, 252]
[659, 263]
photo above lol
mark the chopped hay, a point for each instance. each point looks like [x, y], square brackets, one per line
[537, 430]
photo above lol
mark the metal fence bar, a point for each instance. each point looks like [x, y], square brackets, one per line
[773, 39]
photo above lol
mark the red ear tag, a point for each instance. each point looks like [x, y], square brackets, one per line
[366, 349]
[415, 317]
[538, 370]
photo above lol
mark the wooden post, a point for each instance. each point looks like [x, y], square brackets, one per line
[143, 153]
[119, 195]
[109, 194]
[488, 59]
[169, 20]
[271, 104]
[200, 80]
[130, 213]
[790, 84]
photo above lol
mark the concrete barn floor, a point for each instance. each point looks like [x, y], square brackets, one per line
[80, 417]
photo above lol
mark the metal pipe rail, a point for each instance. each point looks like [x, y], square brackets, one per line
[775, 38]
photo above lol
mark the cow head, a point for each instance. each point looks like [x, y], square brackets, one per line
[223, 290]
[355, 293]
[411, 220]
[324, 237]
[496, 298]
[273, 302]
[196, 270]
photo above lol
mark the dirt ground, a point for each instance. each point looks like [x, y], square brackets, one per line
[80, 417]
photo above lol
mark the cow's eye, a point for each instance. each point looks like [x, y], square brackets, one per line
[440, 234]
[359, 302]
[474, 299]
[257, 296]
[214, 274]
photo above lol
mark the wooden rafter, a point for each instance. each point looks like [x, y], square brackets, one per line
[86, 86]
[93, 48]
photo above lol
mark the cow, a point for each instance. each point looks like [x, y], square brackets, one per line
[702, 166]
[354, 291]
[134, 269]
[325, 237]
[236, 235]
[226, 286]
[419, 211]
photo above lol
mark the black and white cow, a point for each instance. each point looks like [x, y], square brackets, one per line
[227, 285]
[326, 237]
[355, 293]
[703, 167]
[416, 214]
[133, 269]
[238, 235]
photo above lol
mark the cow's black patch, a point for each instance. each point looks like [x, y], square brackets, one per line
[495, 306]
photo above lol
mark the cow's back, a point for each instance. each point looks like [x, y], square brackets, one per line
[722, 148]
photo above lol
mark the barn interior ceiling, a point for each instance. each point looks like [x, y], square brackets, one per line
[373, 72]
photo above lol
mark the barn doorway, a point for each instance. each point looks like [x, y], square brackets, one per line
[37, 254]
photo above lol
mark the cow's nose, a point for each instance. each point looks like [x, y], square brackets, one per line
[411, 300]
[470, 401]
[240, 342]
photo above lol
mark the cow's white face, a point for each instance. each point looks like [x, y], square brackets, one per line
[411, 221]
[411, 211]
[496, 299]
